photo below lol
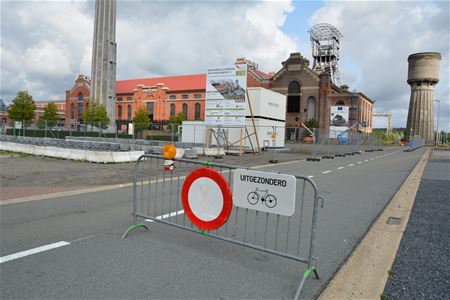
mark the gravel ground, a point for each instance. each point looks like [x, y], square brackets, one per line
[27, 175]
[421, 269]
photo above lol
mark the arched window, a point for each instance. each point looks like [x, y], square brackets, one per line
[197, 111]
[185, 111]
[80, 106]
[311, 108]
[340, 103]
[119, 112]
[294, 88]
[172, 109]
[129, 113]
[72, 111]
[293, 97]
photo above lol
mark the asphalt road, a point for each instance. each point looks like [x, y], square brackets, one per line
[167, 262]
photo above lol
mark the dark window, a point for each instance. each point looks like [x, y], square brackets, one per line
[80, 105]
[172, 109]
[119, 112]
[150, 108]
[119, 99]
[173, 97]
[72, 111]
[185, 111]
[197, 111]
[184, 97]
[294, 88]
[129, 99]
[129, 112]
[293, 104]
[340, 102]
[197, 96]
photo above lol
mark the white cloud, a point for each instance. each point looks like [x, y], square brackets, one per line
[379, 37]
[48, 43]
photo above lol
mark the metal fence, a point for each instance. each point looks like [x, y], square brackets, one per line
[157, 198]
[166, 132]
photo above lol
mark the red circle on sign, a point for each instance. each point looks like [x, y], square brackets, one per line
[226, 193]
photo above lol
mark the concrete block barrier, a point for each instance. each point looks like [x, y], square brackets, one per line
[134, 155]
[120, 157]
[77, 154]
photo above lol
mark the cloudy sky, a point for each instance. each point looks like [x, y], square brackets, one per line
[46, 44]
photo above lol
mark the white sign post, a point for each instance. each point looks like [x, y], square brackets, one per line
[267, 192]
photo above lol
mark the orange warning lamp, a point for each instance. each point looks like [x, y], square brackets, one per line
[169, 151]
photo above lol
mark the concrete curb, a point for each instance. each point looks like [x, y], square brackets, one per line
[365, 272]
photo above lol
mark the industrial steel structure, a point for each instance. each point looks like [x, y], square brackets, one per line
[388, 116]
[325, 40]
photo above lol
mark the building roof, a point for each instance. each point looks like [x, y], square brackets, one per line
[262, 74]
[174, 83]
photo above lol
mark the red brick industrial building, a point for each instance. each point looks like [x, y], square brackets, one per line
[309, 95]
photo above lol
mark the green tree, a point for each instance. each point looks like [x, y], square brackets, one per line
[50, 116]
[96, 115]
[176, 121]
[22, 107]
[141, 121]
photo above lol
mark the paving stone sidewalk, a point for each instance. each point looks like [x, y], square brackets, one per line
[421, 269]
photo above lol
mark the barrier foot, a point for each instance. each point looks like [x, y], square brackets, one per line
[131, 228]
[305, 276]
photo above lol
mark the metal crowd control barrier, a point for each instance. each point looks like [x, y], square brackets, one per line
[415, 142]
[157, 198]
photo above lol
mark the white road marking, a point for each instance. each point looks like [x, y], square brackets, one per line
[371, 158]
[340, 168]
[165, 216]
[351, 165]
[21, 254]
[311, 176]
[366, 160]
[359, 162]
[325, 172]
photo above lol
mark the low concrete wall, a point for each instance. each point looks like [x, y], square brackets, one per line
[74, 154]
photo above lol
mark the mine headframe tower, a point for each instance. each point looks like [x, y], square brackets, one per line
[325, 40]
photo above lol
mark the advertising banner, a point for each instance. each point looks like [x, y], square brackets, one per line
[338, 120]
[225, 96]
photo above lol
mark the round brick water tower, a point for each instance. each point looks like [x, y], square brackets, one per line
[423, 75]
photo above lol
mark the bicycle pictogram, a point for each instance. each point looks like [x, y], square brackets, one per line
[263, 195]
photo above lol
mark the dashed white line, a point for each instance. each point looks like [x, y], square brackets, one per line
[21, 254]
[359, 162]
[351, 165]
[371, 158]
[340, 168]
[366, 160]
[311, 176]
[165, 216]
[325, 172]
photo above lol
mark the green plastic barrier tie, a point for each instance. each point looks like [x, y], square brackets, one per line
[207, 163]
[308, 272]
[135, 226]
[205, 232]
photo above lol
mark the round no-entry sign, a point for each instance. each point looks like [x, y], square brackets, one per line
[206, 199]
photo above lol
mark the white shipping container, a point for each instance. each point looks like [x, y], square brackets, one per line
[193, 132]
[269, 109]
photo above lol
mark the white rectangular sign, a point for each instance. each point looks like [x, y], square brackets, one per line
[263, 191]
[225, 96]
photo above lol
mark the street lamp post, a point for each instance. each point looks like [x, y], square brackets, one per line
[437, 126]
